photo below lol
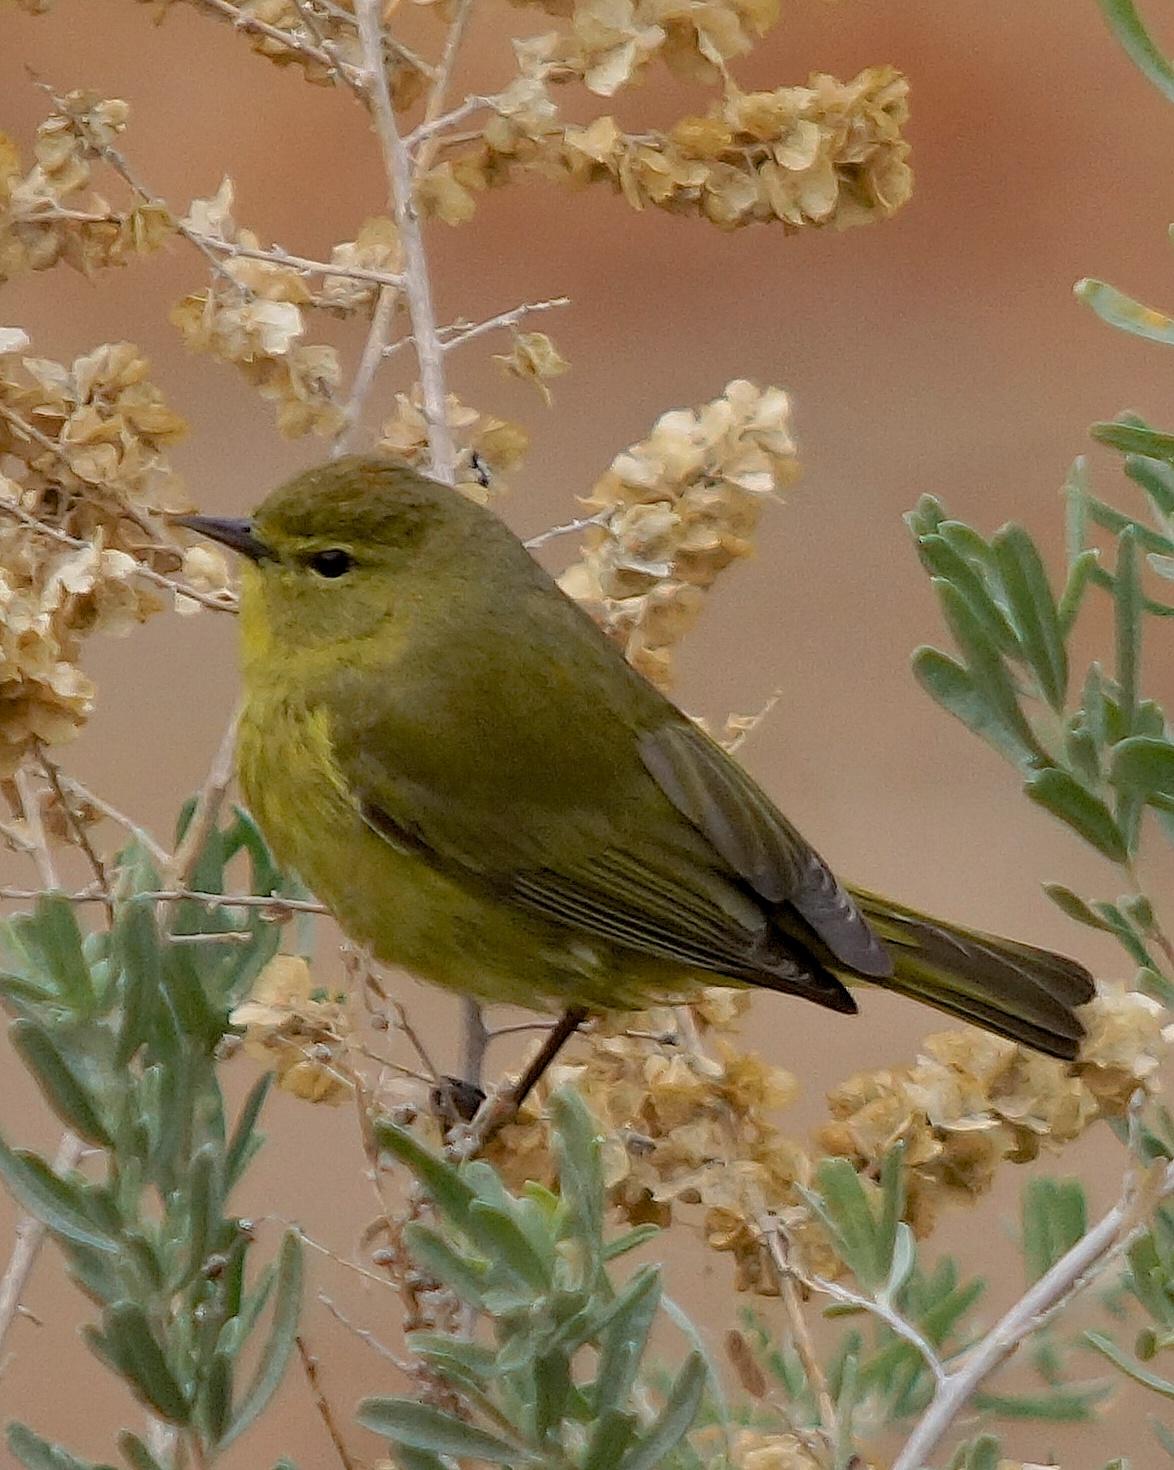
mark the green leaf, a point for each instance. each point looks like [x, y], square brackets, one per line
[216, 1397]
[1054, 1218]
[504, 1242]
[244, 1138]
[1034, 610]
[613, 1433]
[275, 1355]
[1127, 600]
[36, 1453]
[472, 1360]
[135, 1452]
[1133, 438]
[1144, 766]
[143, 1362]
[1126, 25]
[844, 1207]
[948, 684]
[1156, 480]
[942, 560]
[1122, 311]
[55, 1201]
[136, 942]
[451, 1195]
[1075, 907]
[624, 1339]
[63, 1089]
[987, 671]
[674, 1421]
[580, 1170]
[60, 941]
[1079, 576]
[1128, 1365]
[1063, 796]
[435, 1256]
[630, 1241]
[420, 1426]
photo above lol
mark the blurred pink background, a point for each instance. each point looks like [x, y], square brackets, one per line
[941, 351]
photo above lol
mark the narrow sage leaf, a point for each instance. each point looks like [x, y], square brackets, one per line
[144, 1362]
[1150, 60]
[1122, 311]
[674, 1421]
[502, 1240]
[135, 1452]
[56, 1202]
[437, 1257]
[451, 1194]
[1127, 601]
[987, 670]
[950, 685]
[137, 943]
[420, 1426]
[236, 1155]
[624, 1339]
[60, 939]
[1076, 509]
[1074, 906]
[1144, 766]
[287, 1306]
[1064, 797]
[1129, 1365]
[1034, 610]
[580, 1170]
[216, 1397]
[35, 1453]
[942, 560]
[1135, 438]
[1156, 480]
[1080, 572]
[613, 1433]
[630, 1241]
[63, 1089]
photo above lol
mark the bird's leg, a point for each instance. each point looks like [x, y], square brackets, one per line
[500, 1107]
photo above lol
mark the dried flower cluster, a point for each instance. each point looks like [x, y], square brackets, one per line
[251, 316]
[676, 510]
[828, 154]
[85, 452]
[48, 212]
[298, 1030]
[486, 447]
[972, 1100]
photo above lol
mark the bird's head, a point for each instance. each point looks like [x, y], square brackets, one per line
[347, 551]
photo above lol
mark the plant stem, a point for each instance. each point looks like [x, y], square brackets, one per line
[1054, 1290]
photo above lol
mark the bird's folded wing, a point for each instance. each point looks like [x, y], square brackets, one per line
[710, 789]
[650, 896]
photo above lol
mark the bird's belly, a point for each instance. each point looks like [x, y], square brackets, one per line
[409, 913]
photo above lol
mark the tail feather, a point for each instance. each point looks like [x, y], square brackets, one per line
[1015, 990]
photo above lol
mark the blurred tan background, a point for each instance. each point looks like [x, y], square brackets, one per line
[941, 351]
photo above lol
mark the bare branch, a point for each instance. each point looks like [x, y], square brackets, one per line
[217, 601]
[440, 124]
[417, 286]
[568, 529]
[1087, 1259]
[503, 319]
[310, 1367]
[320, 55]
[275, 255]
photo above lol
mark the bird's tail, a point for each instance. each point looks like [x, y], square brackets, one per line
[1015, 990]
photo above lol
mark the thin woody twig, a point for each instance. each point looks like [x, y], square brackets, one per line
[77, 827]
[440, 123]
[218, 602]
[801, 1336]
[252, 25]
[275, 255]
[366, 1336]
[568, 529]
[1087, 1259]
[310, 1367]
[417, 287]
[274, 902]
[456, 334]
[158, 853]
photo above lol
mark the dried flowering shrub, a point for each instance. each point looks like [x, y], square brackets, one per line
[829, 154]
[971, 1101]
[50, 212]
[674, 511]
[299, 1031]
[486, 447]
[83, 496]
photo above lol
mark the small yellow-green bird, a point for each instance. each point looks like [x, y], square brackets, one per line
[468, 773]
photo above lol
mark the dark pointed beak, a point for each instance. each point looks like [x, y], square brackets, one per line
[236, 534]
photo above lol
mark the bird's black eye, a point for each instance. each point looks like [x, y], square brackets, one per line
[334, 562]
